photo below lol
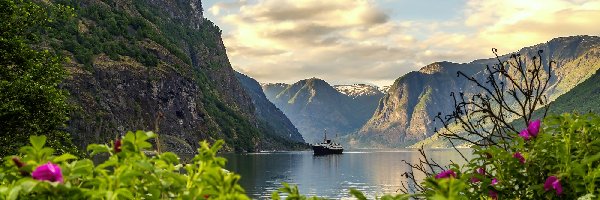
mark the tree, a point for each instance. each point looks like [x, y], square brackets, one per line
[509, 93]
[31, 100]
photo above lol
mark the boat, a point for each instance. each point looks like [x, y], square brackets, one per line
[327, 147]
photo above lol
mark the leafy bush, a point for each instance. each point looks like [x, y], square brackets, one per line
[562, 161]
[127, 173]
[31, 101]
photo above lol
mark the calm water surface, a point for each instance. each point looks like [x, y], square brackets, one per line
[372, 172]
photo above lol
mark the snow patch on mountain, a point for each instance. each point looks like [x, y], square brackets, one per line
[357, 90]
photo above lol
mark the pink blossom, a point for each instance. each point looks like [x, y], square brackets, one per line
[474, 180]
[531, 131]
[534, 128]
[446, 174]
[525, 134]
[493, 194]
[494, 181]
[518, 155]
[48, 172]
[117, 146]
[481, 171]
[553, 182]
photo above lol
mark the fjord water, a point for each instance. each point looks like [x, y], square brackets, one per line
[372, 172]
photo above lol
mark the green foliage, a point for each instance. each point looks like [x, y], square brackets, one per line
[292, 193]
[31, 101]
[125, 174]
[583, 98]
[99, 28]
[445, 189]
[568, 147]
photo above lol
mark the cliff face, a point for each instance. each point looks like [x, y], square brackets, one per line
[267, 113]
[155, 65]
[405, 114]
[313, 106]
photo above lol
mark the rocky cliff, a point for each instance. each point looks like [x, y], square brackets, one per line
[405, 114]
[267, 113]
[154, 65]
[313, 106]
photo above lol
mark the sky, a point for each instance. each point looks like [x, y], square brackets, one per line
[378, 41]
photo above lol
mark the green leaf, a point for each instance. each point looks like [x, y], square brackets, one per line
[123, 193]
[169, 157]
[63, 158]
[397, 197]
[28, 185]
[112, 161]
[97, 149]
[82, 168]
[129, 137]
[45, 152]
[275, 195]
[37, 141]
[359, 195]
[591, 159]
[14, 193]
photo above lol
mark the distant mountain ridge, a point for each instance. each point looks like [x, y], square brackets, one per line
[405, 114]
[270, 116]
[313, 105]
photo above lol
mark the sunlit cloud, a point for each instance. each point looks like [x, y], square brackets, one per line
[349, 41]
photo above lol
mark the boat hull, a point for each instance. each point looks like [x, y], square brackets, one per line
[320, 150]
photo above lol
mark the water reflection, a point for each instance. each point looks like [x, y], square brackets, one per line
[331, 176]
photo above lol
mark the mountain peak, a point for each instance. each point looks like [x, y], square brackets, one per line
[356, 90]
[313, 105]
[313, 80]
[405, 115]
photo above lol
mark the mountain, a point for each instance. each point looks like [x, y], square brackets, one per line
[267, 113]
[385, 89]
[313, 105]
[155, 65]
[583, 98]
[405, 114]
[358, 90]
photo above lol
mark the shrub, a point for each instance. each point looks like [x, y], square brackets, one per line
[127, 173]
[562, 161]
[31, 101]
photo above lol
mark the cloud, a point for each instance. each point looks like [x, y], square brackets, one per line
[345, 41]
[512, 24]
[216, 8]
[288, 40]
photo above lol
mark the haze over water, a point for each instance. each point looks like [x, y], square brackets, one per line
[331, 176]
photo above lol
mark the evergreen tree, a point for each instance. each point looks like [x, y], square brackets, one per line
[31, 101]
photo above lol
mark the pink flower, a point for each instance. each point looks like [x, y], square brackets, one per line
[494, 181]
[525, 134]
[493, 194]
[531, 131]
[48, 172]
[446, 174]
[481, 171]
[117, 146]
[518, 155]
[534, 128]
[553, 183]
